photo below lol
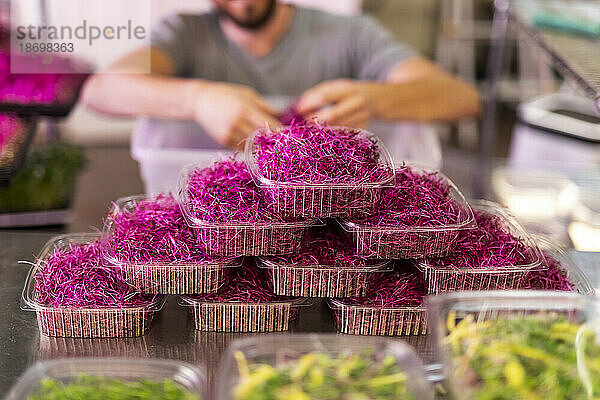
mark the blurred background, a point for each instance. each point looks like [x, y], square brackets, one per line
[535, 147]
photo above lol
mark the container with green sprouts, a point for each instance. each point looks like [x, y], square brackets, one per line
[110, 379]
[323, 367]
[518, 344]
[45, 182]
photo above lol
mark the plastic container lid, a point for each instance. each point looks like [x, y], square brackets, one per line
[573, 272]
[195, 222]
[129, 204]
[376, 266]
[274, 349]
[250, 154]
[189, 377]
[513, 227]
[28, 296]
[467, 221]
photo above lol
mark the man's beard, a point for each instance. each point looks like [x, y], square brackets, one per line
[253, 24]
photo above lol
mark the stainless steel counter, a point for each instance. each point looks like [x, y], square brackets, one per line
[173, 335]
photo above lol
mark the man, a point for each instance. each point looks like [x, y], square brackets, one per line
[215, 69]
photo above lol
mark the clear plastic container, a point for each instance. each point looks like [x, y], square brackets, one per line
[450, 309]
[385, 321]
[321, 199]
[164, 278]
[242, 239]
[242, 317]
[276, 350]
[575, 275]
[84, 322]
[321, 280]
[188, 377]
[448, 278]
[397, 242]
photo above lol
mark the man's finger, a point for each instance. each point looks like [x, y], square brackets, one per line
[342, 110]
[238, 136]
[257, 118]
[265, 106]
[358, 120]
[321, 95]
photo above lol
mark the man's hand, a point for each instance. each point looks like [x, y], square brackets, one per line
[230, 112]
[338, 102]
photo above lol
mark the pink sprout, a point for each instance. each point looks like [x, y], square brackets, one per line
[290, 115]
[153, 232]
[324, 248]
[311, 153]
[404, 287]
[38, 88]
[490, 245]
[75, 277]
[225, 192]
[416, 199]
[246, 284]
[553, 278]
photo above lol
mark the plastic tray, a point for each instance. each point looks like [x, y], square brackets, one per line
[483, 306]
[321, 200]
[165, 278]
[243, 239]
[17, 150]
[386, 321]
[188, 377]
[447, 278]
[84, 322]
[277, 349]
[320, 280]
[242, 317]
[385, 242]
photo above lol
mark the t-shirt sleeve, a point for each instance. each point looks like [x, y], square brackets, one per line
[171, 35]
[375, 51]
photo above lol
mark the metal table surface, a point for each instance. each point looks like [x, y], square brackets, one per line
[172, 336]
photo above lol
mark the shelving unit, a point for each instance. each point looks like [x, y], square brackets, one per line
[575, 58]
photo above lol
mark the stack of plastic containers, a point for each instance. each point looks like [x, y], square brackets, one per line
[244, 248]
[429, 243]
